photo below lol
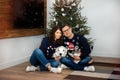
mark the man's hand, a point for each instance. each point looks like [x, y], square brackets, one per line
[76, 57]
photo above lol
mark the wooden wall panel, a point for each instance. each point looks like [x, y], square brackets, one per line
[5, 15]
[6, 22]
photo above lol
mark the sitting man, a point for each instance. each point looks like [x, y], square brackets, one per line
[72, 41]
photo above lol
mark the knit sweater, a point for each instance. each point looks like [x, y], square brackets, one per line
[48, 48]
[81, 43]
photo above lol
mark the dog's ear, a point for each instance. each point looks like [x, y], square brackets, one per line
[57, 49]
[56, 52]
[54, 55]
[65, 49]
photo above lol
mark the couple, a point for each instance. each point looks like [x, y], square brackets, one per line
[42, 58]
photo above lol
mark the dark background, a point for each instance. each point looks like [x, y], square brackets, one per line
[28, 14]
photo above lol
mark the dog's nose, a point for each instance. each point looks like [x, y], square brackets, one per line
[60, 54]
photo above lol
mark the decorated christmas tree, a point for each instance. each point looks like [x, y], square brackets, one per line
[69, 12]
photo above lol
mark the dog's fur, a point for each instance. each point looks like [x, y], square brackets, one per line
[60, 51]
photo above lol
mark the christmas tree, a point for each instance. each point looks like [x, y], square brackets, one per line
[69, 12]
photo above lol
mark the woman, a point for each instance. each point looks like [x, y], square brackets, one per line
[42, 58]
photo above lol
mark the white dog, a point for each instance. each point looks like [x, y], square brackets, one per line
[60, 51]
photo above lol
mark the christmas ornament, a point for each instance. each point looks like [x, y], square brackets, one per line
[63, 14]
[62, 9]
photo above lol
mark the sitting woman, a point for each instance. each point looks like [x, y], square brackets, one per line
[42, 58]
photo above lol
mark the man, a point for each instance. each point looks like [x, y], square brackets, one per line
[76, 42]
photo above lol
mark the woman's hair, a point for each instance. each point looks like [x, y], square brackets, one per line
[52, 35]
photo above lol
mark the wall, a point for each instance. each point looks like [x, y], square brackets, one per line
[14, 51]
[103, 18]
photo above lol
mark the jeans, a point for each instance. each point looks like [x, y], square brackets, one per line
[69, 62]
[38, 59]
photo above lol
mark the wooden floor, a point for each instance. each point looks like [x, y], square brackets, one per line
[18, 72]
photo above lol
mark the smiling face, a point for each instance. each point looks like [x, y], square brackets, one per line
[58, 34]
[67, 31]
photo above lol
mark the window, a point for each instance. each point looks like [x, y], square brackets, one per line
[22, 18]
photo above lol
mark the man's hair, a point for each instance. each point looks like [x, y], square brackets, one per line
[65, 25]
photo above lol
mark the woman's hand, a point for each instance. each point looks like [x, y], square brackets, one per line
[57, 58]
